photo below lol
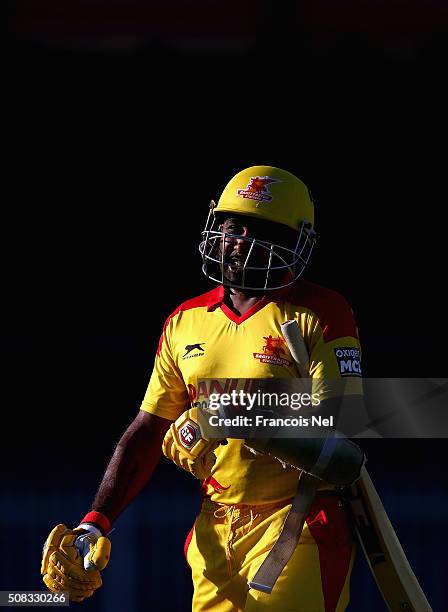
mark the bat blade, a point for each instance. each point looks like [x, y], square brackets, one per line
[385, 556]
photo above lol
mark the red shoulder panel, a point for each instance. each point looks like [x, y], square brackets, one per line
[209, 299]
[332, 309]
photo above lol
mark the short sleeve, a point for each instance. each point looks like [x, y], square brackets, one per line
[166, 395]
[335, 351]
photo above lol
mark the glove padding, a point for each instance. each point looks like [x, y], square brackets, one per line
[185, 445]
[63, 566]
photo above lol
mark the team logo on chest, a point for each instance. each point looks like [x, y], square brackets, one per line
[273, 351]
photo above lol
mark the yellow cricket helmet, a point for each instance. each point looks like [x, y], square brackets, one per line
[269, 193]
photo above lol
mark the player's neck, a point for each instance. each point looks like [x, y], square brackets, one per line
[241, 301]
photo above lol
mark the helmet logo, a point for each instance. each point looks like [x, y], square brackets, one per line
[257, 189]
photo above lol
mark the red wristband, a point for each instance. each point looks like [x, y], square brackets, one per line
[98, 518]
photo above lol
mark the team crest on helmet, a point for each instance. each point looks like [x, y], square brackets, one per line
[273, 351]
[257, 188]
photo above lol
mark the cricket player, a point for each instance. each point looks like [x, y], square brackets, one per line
[256, 243]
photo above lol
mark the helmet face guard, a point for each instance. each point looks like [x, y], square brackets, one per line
[283, 264]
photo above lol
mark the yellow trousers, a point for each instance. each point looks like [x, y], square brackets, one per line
[227, 545]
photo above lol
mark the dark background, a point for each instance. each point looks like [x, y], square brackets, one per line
[123, 120]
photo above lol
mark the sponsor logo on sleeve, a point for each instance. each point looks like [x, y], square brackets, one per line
[349, 360]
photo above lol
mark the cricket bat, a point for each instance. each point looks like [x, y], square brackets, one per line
[385, 556]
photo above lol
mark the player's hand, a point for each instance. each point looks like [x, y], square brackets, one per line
[185, 445]
[72, 560]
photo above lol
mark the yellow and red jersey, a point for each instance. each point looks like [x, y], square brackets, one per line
[204, 339]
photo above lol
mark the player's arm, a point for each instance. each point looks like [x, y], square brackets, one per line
[73, 558]
[336, 460]
[132, 464]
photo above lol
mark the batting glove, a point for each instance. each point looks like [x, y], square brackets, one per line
[185, 445]
[72, 560]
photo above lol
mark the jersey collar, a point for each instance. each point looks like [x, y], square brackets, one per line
[217, 300]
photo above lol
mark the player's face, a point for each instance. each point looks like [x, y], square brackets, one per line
[236, 244]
